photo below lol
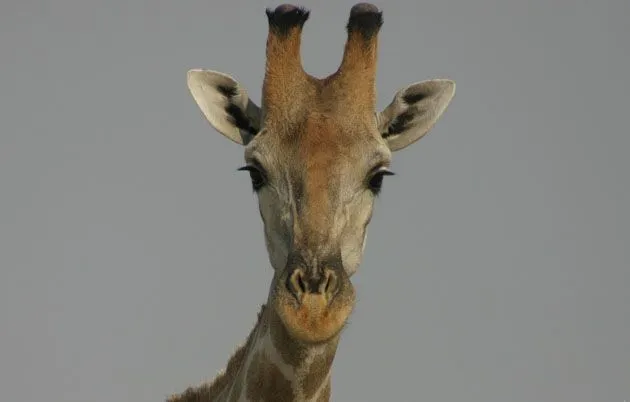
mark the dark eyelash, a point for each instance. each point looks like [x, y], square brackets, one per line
[375, 179]
[257, 176]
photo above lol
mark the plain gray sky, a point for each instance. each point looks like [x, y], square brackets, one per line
[132, 259]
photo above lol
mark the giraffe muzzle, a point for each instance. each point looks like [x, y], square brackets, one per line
[325, 284]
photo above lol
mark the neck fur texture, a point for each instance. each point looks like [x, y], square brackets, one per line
[270, 366]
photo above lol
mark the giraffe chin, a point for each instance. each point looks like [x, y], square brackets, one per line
[315, 319]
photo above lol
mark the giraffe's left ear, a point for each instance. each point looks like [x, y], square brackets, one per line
[414, 111]
[225, 104]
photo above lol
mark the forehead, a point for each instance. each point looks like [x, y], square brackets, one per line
[317, 140]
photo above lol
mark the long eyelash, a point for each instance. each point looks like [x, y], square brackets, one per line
[383, 171]
[252, 168]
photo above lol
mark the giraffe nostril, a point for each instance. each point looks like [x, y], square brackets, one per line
[295, 283]
[325, 284]
[331, 283]
[300, 282]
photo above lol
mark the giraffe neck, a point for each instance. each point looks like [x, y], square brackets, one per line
[276, 367]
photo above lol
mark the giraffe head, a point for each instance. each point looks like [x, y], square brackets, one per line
[317, 152]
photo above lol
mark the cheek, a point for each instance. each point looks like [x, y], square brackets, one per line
[354, 235]
[276, 227]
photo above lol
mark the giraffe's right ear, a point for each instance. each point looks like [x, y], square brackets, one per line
[225, 104]
[414, 111]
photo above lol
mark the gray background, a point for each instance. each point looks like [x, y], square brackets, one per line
[131, 252]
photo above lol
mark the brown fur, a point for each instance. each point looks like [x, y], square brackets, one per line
[319, 369]
[319, 148]
[265, 382]
[285, 78]
[354, 83]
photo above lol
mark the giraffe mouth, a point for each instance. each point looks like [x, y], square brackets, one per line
[315, 317]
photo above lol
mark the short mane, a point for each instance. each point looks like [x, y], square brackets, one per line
[208, 391]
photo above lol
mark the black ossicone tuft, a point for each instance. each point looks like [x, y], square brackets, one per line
[366, 19]
[285, 17]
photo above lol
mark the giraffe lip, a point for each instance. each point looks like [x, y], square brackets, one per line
[299, 299]
[314, 318]
[299, 296]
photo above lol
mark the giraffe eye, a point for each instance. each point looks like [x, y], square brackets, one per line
[256, 175]
[375, 180]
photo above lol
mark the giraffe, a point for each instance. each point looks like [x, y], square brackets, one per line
[317, 152]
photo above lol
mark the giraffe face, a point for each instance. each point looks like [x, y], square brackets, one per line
[316, 182]
[317, 153]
